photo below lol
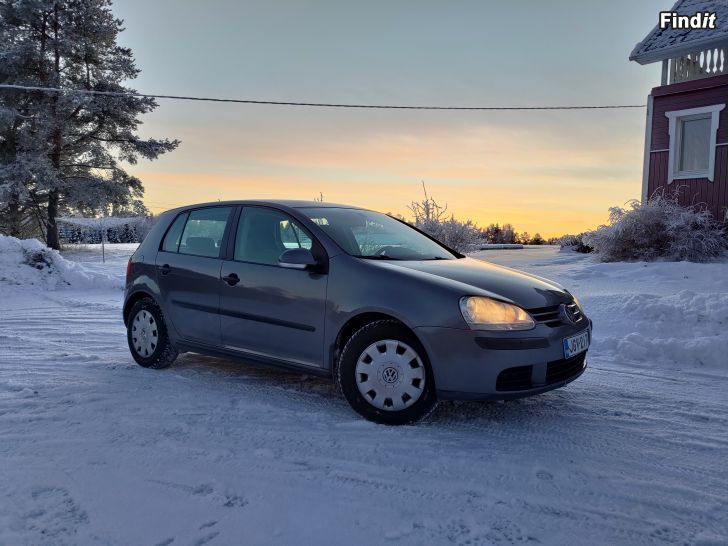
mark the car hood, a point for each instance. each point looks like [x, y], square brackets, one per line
[523, 289]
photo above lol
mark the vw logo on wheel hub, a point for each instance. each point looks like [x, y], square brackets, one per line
[390, 375]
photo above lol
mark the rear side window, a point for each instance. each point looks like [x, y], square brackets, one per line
[203, 232]
[172, 239]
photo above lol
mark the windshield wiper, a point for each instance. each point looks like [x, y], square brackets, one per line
[407, 259]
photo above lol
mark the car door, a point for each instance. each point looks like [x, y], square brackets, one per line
[265, 309]
[188, 272]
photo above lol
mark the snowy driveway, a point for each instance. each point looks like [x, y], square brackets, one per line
[96, 450]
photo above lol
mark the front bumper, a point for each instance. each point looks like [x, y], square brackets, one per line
[479, 365]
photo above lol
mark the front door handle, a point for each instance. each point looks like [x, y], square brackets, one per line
[231, 279]
[165, 269]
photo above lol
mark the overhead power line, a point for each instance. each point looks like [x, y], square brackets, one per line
[314, 104]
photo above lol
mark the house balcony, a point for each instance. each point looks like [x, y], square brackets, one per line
[695, 66]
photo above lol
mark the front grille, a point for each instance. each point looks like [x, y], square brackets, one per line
[551, 316]
[560, 370]
[514, 379]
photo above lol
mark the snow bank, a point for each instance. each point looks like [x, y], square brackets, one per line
[28, 262]
[649, 315]
[685, 328]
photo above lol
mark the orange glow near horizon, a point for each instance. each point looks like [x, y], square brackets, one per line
[488, 175]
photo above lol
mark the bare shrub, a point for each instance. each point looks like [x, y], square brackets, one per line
[452, 232]
[659, 229]
[432, 218]
[574, 242]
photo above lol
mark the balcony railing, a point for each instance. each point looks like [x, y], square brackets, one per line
[694, 66]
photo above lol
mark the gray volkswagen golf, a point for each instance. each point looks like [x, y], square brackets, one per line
[395, 317]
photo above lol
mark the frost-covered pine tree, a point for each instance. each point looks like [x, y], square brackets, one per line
[63, 152]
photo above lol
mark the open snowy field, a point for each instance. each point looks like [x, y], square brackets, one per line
[97, 450]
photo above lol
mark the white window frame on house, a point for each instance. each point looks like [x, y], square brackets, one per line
[675, 118]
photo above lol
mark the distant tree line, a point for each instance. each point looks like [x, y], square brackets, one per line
[507, 234]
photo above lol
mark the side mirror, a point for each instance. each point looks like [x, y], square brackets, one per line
[297, 258]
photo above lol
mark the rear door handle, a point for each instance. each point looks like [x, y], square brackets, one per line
[165, 269]
[232, 279]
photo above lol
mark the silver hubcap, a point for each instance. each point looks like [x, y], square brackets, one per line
[390, 375]
[144, 333]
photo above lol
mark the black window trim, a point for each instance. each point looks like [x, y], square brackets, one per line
[222, 255]
[315, 243]
[169, 228]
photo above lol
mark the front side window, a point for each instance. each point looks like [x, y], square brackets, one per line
[204, 231]
[264, 234]
[372, 235]
[693, 142]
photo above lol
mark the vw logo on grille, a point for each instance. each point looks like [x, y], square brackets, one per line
[568, 312]
[390, 375]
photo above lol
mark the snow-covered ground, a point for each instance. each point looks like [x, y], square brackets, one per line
[96, 450]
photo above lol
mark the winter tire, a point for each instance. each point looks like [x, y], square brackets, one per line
[146, 333]
[385, 375]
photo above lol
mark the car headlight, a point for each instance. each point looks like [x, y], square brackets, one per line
[487, 314]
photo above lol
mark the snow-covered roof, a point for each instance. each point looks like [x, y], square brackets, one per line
[671, 42]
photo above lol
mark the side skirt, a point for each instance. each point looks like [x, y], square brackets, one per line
[250, 358]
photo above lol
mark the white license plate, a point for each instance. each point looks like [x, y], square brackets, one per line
[576, 344]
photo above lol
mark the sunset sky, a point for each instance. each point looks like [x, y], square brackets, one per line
[547, 172]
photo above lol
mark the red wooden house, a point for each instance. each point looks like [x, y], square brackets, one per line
[686, 139]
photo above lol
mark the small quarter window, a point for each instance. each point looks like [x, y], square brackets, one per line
[204, 231]
[172, 239]
[292, 236]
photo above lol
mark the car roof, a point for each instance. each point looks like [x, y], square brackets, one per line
[287, 203]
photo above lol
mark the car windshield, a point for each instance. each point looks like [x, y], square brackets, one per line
[375, 236]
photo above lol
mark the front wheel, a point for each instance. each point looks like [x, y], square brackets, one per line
[146, 333]
[385, 376]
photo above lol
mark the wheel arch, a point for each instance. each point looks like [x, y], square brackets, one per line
[133, 298]
[354, 324]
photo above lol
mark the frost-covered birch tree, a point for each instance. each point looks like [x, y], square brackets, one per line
[63, 153]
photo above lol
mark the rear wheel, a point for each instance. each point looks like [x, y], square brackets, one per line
[147, 336]
[385, 376]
